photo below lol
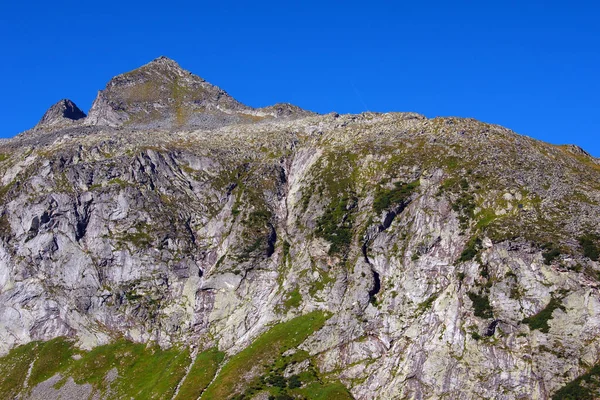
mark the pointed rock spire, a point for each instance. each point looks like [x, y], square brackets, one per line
[62, 113]
[161, 94]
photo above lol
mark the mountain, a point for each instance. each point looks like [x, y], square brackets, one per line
[177, 244]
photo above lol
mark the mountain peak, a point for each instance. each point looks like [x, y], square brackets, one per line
[162, 65]
[62, 113]
[161, 94]
[162, 60]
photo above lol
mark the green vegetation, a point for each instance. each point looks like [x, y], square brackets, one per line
[465, 207]
[318, 285]
[140, 238]
[307, 385]
[256, 233]
[481, 305]
[589, 244]
[149, 372]
[335, 178]
[135, 363]
[237, 373]
[335, 225]
[387, 198]
[540, 320]
[5, 228]
[286, 250]
[293, 300]
[120, 182]
[319, 391]
[13, 370]
[552, 252]
[5, 189]
[52, 357]
[472, 248]
[426, 305]
[258, 219]
[585, 387]
[201, 374]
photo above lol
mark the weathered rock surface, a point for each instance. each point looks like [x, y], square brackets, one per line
[63, 113]
[179, 216]
[162, 95]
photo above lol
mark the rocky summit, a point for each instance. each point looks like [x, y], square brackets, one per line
[62, 113]
[177, 244]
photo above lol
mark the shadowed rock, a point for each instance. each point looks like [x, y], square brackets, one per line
[62, 113]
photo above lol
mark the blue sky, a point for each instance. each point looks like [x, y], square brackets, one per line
[530, 66]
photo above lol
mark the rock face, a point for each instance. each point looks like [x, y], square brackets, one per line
[406, 257]
[161, 94]
[63, 113]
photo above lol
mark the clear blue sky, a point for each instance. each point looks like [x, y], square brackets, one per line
[530, 66]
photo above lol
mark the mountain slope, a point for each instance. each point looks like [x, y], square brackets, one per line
[372, 255]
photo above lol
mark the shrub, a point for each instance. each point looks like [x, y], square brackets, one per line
[481, 305]
[465, 206]
[277, 380]
[584, 387]
[385, 199]
[540, 320]
[471, 249]
[294, 382]
[589, 243]
[552, 252]
[335, 225]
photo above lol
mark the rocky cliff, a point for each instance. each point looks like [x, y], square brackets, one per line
[177, 244]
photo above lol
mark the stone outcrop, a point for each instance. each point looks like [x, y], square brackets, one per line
[63, 113]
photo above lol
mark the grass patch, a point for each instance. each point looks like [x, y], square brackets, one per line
[52, 357]
[136, 364]
[201, 374]
[138, 374]
[540, 320]
[240, 370]
[5, 228]
[286, 250]
[293, 300]
[120, 182]
[13, 370]
[332, 391]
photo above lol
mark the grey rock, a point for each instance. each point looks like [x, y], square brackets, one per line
[62, 113]
[199, 230]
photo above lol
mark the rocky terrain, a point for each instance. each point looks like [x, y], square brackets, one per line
[177, 244]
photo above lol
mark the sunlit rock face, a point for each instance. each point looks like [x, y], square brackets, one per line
[432, 258]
